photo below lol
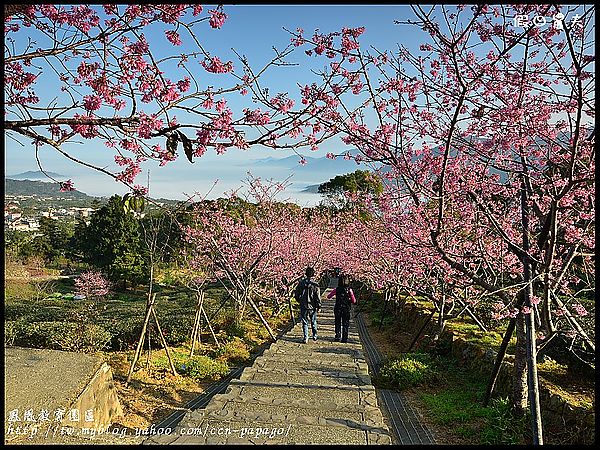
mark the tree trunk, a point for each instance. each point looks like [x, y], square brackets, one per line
[385, 305]
[441, 322]
[532, 378]
[520, 381]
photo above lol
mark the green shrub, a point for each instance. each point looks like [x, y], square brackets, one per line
[67, 336]
[502, 426]
[177, 329]
[203, 367]
[235, 328]
[35, 312]
[18, 290]
[376, 318]
[456, 405]
[13, 331]
[124, 332]
[410, 369]
[236, 351]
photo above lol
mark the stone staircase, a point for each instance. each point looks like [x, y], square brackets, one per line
[294, 393]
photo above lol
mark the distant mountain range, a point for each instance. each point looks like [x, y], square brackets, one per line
[35, 176]
[49, 189]
[40, 188]
[312, 188]
[322, 164]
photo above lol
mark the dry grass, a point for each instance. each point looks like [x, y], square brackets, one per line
[153, 393]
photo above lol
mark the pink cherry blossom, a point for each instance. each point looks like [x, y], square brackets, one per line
[217, 18]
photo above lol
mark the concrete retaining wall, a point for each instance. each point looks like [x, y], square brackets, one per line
[100, 396]
[46, 390]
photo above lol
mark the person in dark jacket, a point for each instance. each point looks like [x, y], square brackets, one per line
[344, 299]
[308, 295]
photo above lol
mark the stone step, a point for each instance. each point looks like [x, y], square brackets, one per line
[315, 354]
[322, 332]
[321, 345]
[299, 413]
[356, 371]
[261, 403]
[333, 377]
[315, 394]
[236, 432]
[305, 363]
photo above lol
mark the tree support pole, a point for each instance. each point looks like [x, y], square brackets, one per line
[291, 309]
[499, 358]
[416, 338]
[472, 316]
[385, 304]
[138, 350]
[262, 319]
[164, 342]
[210, 326]
[196, 327]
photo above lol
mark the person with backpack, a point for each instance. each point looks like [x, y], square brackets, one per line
[344, 299]
[308, 295]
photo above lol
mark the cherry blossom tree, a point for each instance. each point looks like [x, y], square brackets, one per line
[260, 248]
[237, 239]
[92, 285]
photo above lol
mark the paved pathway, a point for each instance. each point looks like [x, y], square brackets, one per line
[294, 393]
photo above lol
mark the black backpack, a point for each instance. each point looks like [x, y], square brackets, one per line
[307, 294]
[342, 298]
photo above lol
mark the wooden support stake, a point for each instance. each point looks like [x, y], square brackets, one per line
[257, 311]
[164, 342]
[149, 348]
[385, 305]
[498, 363]
[195, 329]
[472, 316]
[210, 326]
[416, 338]
[138, 350]
[289, 299]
